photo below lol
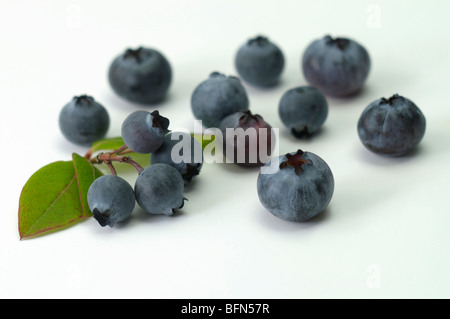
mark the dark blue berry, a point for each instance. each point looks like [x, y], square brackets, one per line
[393, 126]
[217, 97]
[300, 188]
[260, 62]
[337, 67]
[303, 110]
[142, 76]
[143, 132]
[111, 200]
[83, 120]
[182, 151]
[159, 189]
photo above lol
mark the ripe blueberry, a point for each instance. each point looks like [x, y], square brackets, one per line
[259, 62]
[300, 188]
[337, 67]
[391, 126]
[143, 132]
[83, 120]
[217, 97]
[159, 189]
[111, 200]
[303, 110]
[142, 76]
[182, 151]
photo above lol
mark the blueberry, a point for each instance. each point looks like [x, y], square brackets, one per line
[301, 187]
[159, 189]
[143, 132]
[259, 62]
[303, 110]
[248, 137]
[142, 76]
[111, 200]
[337, 67]
[182, 151]
[217, 97]
[391, 126]
[83, 120]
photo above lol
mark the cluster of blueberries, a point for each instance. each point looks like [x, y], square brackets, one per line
[335, 67]
[159, 187]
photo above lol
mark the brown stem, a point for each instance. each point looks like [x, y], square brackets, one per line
[121, 149]
[88, 154]
[111, 167]
[113, 157]
[136, 165]
[126, 151]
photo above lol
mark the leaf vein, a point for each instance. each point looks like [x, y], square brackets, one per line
[53, 203]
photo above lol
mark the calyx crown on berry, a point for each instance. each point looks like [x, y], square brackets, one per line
[296, 161]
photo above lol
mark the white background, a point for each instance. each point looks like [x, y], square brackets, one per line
[386, 232]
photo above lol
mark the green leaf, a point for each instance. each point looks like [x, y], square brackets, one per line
[203, 139]
[107, 144]
[55, 197]
[86, 173]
